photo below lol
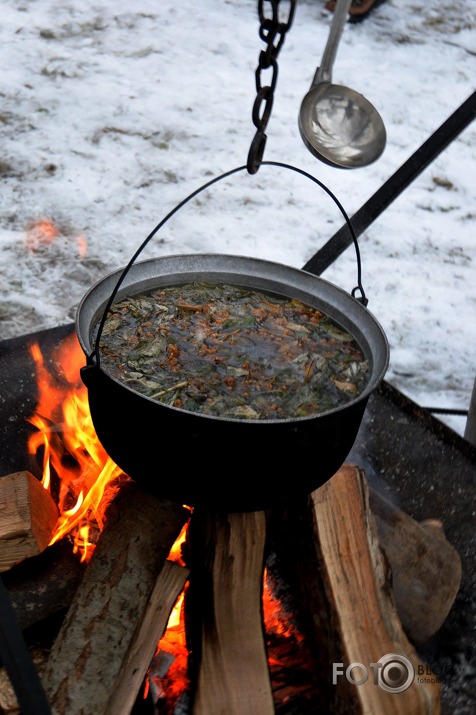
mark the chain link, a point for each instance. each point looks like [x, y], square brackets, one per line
[272, 31]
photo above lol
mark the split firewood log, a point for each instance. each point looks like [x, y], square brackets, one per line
[223, 606]
[94, 652]
[28, 518]
[168, 586]
[426, 568]
[365, 662]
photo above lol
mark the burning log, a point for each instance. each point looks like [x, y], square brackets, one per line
[93, 653]
[344, 586]
[28, 518]
[168, 587]
[229, 667]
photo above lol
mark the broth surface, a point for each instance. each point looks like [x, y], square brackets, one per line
[231, 351]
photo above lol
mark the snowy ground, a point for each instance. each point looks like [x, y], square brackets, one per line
[113, 112]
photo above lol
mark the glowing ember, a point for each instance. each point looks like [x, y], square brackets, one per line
[275, 619]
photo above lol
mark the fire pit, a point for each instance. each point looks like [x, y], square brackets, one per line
[231, 531]
[399, 446]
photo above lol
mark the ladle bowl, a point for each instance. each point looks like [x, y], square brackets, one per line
[338, 125]
[341, 127]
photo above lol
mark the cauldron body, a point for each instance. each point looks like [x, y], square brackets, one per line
[231, 464]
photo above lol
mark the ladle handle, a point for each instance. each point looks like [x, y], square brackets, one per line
[324, 72]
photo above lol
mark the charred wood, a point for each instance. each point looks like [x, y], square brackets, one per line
[43, 586]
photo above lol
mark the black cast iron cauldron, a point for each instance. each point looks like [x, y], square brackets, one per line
[229, 464]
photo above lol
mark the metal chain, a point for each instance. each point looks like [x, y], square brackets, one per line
[273, 32]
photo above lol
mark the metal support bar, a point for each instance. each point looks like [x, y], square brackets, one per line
[18, 663]
[470, 429]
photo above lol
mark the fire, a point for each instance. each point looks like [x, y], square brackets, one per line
[83, 479]
[82, 244]
[176, 555]
[43, 232]
[73, 457]
[86, 476]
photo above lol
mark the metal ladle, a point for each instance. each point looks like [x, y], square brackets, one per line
[338, 125]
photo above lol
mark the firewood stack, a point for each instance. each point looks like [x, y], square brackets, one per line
[370, 586]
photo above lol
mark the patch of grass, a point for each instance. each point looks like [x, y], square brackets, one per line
[444, 183]
[47, 34]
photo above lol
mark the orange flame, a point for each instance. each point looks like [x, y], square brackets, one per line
[44, 232]
[71, 449]
[41, 233]
[82, 245]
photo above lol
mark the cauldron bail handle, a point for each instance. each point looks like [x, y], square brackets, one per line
[93, 360]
